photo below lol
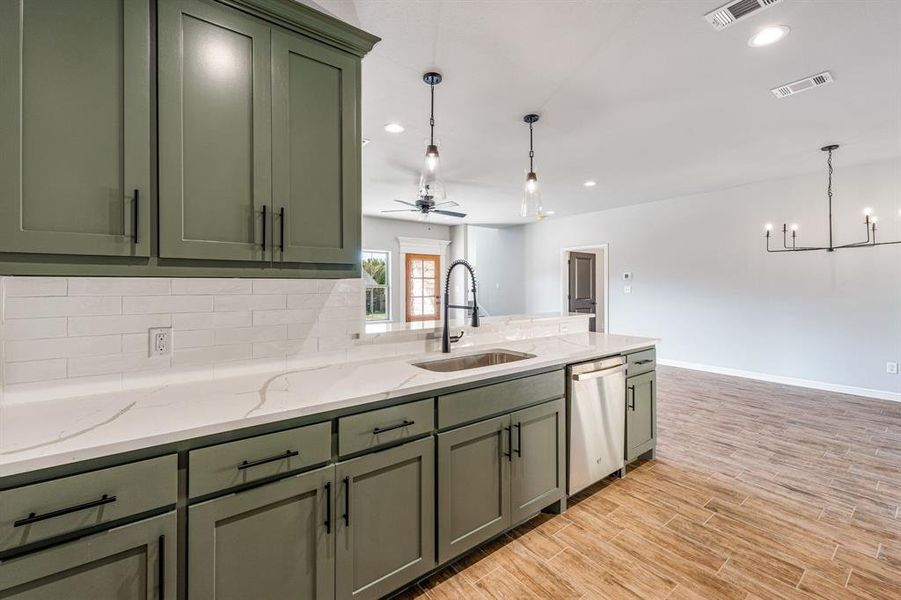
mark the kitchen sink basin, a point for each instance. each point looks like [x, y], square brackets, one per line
[473, 361]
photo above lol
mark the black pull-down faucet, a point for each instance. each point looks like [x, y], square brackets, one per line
[445, 336]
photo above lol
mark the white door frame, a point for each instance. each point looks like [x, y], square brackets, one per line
[411, 245]
[564, 277]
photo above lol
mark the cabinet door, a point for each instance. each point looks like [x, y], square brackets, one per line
[385, 519]
[539, 458]
[132, 562]
[75, 127]
[274, 541]
[214, 132]
[473, 485]
[641, 414]
[316, 151]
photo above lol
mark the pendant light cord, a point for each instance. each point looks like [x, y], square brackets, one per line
[432, 116]
[531, 151]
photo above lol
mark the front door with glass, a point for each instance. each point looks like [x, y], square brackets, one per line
[422, 283]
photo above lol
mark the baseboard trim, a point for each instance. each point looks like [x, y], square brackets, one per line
[805, 383]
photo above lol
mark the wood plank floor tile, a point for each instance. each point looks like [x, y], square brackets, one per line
[758, 491]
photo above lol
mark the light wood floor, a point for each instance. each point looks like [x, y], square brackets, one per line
[758, 491]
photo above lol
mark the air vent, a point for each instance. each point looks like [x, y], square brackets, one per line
[802, 85]
[726, 16]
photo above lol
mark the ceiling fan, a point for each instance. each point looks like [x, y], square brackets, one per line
[426, 206]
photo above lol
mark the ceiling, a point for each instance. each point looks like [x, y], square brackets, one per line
[643, 97]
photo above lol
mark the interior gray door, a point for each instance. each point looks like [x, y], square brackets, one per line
[316, 151]
[473, 485]
[641, 414]
[75, 127]
[385, 520]
[214, 132]
[274, 541]
[539, 458]
[582, 285]
[132, 562]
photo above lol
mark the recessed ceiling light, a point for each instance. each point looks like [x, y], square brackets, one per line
[394, 128]
[768, 35]
[590, 183]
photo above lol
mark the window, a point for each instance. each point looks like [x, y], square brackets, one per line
[423, 303]
[376, 278]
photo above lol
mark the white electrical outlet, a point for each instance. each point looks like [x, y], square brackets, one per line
[891, 367]
[160, 341]
[627, 289]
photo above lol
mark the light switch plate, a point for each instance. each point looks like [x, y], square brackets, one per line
[160, 341]
[627, 289]
[891, 367]
[627, 276]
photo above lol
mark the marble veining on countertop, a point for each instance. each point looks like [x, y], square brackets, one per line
[43, 434]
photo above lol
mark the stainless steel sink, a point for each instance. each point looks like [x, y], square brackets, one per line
[473, 361]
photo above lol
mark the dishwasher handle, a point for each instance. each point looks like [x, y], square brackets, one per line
[599, 374]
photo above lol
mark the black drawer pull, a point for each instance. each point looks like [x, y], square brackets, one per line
[519, 440]
[509, 431]
[34, 517]
[263, 461]
[161, 565]
[347, 502]
[328, 507]
[281, 235]
[631, 401]
[644, 361]
[404, 423]
[135, 218]
[264, 228]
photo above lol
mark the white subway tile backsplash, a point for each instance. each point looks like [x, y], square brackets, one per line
[35, 286]
[212, 355]
[198, 338]
[61, 306]
[211, 286]
[285, 348]
[118, 286]
[116, 324]
[306, 300]
[281, 317]
[249, 302]
[239, 335]
[30, 329]
[122, 363]
[212, 320]
[35, 370]
[21, 350]
[285, 286]
[132, 305]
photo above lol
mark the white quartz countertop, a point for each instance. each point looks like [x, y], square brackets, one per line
[42, 434]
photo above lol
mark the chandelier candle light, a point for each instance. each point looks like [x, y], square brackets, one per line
[869, 223]
[531, 196]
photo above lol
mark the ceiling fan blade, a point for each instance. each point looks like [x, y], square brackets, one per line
[448, 203]
[405, 202]
[401, 210]
[449, 213]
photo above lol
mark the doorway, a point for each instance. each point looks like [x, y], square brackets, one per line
[422, 282]
[583, 283]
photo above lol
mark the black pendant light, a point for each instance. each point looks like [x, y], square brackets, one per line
[430, 185]
[531, 195]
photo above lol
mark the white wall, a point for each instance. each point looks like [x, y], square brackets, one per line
[704, 284]
[497, 255]
[382, 234]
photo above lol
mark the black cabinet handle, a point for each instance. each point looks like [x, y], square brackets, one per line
[134, 220]
[519, 440]
[264, 227]
[161, 560]
[328, 507]
[404, 423]
[34, 517]
[509, 454]
[631, 401]
[254, 463]
[644, 361]
[346, 502]
[281, 225]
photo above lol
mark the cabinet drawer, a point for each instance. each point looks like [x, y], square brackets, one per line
[225, 466]
[479, 403]
[384, 426]
[44, 510]
[641, 362]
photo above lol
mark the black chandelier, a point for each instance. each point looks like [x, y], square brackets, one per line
[869, 224]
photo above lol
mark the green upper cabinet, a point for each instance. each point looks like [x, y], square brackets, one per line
[214, 132]
[75, 127]
[315, 151]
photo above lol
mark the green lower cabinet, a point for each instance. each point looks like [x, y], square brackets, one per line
[132, 562]
[641, 414]
[473, 485]
[385, 520]
[273, 541]
[539, 458]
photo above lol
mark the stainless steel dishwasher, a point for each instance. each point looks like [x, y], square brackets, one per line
[596, 398]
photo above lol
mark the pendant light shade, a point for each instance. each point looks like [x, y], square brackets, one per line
[531, 193]
[430, 185]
